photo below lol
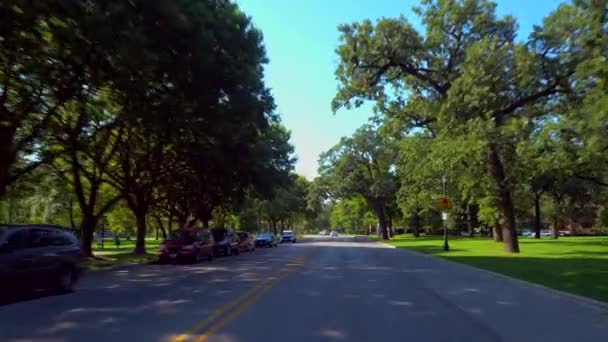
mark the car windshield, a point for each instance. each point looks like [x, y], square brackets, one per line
[265, 236]
[288, 232]
[182, 235]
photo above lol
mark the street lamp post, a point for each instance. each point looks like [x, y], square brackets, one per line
[444, 216]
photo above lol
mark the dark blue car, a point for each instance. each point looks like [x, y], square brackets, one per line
[265, 240]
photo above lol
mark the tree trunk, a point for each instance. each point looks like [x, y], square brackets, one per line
[274, 226]
[382, 221]
[7, 153]
[390, 225]
[87, 228]
[161, 226]
[140, 242]
[497, 231]
[416, 223]
[181, 221]
[204, 214]
[71, 207]
[505, 202]
[537, 222]
[470, 227]
[170, 224]
[555, 230]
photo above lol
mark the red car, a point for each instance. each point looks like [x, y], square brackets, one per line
[188, 244]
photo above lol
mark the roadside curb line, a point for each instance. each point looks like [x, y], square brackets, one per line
[585, 300]
[365, 238]
[386, 244]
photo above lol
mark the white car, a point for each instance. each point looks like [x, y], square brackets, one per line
[288, 236]
[334, 233]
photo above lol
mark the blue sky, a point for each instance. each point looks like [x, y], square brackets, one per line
[301, 37]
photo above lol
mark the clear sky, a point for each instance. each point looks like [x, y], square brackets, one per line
[301, 38]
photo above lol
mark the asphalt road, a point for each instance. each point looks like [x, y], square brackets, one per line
[325, 289]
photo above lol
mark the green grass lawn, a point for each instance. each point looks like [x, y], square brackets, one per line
[573, 264]
[112, 256]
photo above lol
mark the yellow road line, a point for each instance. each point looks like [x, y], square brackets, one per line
[221, 323]
[262, 287]
[218, 312]
[243, 306]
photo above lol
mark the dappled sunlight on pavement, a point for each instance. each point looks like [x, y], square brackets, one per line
[328, 290]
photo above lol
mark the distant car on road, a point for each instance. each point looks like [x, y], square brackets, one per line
[266, 240]
[39, 257]
[334, 233]
[324, 232]
[246, 242]
[288, 236]
[226, 242]
[187, 244]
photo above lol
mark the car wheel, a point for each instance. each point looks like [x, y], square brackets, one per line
[66, 279]
[236, 251]
[210, 256]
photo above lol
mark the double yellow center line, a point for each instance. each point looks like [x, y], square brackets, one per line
[224, 314]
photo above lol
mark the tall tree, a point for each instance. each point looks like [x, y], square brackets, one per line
[42, 66]
[362, 165]
[465, 76]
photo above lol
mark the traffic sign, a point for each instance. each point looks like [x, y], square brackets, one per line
[444, 203]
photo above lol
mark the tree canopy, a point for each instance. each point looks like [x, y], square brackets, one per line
[162, 105]
[470, 87]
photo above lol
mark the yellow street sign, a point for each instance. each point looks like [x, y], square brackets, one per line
[444, 203]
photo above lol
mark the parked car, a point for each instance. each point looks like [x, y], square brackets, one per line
[324, 232]
[334, 233]
[39, 257]
[288, 236]
[266, 240]
[226, 242]
[187, 244]
[246, 242]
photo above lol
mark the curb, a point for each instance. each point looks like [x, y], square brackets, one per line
[386, 244]
[367, 239]
[585, 300]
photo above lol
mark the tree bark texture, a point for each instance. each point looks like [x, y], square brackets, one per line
[140, 242]
[537, 219]
[505, 201]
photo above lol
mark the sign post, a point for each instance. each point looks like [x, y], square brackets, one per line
[445, 204]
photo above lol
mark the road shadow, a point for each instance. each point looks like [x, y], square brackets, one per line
[7, 298]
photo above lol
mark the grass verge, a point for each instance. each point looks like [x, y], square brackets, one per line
[573, 264]
[113, 256]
